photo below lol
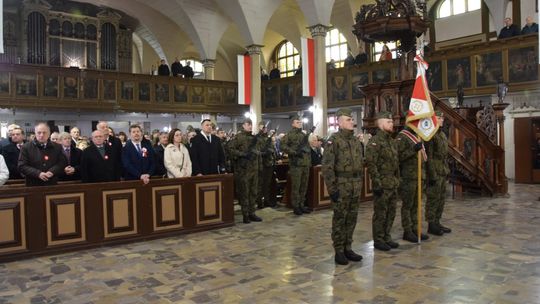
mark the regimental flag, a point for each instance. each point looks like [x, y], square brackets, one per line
[244, 79]
[308, 67]
[421, 117]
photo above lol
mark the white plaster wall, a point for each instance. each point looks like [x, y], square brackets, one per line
[461, 25]
[528, 8]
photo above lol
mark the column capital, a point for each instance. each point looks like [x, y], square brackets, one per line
[209, 63]
[318, 30]
[254, 49]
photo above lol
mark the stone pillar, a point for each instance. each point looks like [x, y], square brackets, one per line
[320, 100]
[501, 180]
[209, 66]
[255, 108]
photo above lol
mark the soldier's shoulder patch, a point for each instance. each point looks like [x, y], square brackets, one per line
[373, 144]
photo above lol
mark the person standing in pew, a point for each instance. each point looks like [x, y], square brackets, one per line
[72, 171]
[41, 161]
[207, 156]
[11, 153]
[115, 146]
[343, 170]
[138, 156]
[96, 161]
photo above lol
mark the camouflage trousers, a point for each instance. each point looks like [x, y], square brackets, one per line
[299, 183]
[345, 212]
[384, 207]
[246, 189]
[408, 191]
[436, 195]
[264, 184]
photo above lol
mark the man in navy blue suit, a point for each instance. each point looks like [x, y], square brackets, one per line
[138, 156]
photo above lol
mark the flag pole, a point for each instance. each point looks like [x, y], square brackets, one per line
[419, 182]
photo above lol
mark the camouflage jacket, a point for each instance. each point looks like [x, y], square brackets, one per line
[268, 152]
[295, 144]
[382, 161]
[437, 150]
[408, 158]
[242, 149]
[343, 156]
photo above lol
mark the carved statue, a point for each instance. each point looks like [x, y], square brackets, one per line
[389, 103]
[392, 8]
[502, 89]
[460, 95]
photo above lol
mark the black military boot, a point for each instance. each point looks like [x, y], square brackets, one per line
[352, 256]
[305, 209]
[423, 236]
[340, 258]
[445, 229]
[254, 218]
[381, 246]
[435, 229]
[246, 219]
[298, 211]
[392, 244]
[410, 237]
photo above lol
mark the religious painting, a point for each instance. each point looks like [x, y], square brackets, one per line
[127, 91]
[4, 83]
[387, 103]
[26, 85]
[71, 87]
[180, 93]
[459, 72]
[287, 95]
[90, 88]
[162, 92]
[434, 76]
[214, 95]
[371, 108]
[358, 81]
[197, 94]
[109, 89]
[50, 86]
[144, 91]
[300, 98]
[230, 95]
[522, 64]
[381, 76]
[488, 68]
[270, 96]
[339, 87]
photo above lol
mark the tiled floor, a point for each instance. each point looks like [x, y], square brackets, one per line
[492, 256]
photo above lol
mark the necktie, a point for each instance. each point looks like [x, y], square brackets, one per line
[66, 152]
[138, 148]
[209, 138]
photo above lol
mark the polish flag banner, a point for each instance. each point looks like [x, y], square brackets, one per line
[421, 117]
[308, 67]
[244, 79]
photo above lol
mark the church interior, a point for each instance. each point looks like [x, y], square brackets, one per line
[166, 65]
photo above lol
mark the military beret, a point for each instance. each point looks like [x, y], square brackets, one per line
[439, 113]
[344, 112]
[383, 114]
[296, 117]
[248, 120]
[262, 123]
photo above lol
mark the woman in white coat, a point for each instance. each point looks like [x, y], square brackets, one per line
[176, 157]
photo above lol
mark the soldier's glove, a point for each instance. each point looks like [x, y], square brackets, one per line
[418, 147]
[334, 197]
[378, 192]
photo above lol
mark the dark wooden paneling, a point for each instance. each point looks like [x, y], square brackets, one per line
[15, 207]
[159, 205]
[111, 198]
[523, 150]
[55, 221]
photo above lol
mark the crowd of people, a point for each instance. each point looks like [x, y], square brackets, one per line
[511, 30]
[176, 69]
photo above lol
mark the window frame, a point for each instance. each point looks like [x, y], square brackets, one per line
[329, 44]
[278, 58]
[451, 6]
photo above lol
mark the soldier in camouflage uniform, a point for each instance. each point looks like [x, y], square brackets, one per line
[437, 167]
[266, 167]
[383, 167]
[408, 146]
[243, 150]
[295, 144]
[342, 169]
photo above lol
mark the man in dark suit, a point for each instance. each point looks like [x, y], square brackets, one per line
[316, 150]
[73, 156]
[96, 162]
[160, 154]
[176, 68]
[509, 30]
[115, 146]
[207, 156]
[163, 69]
[75, 135]
[41, 161]
[138, 157]
[11, 153]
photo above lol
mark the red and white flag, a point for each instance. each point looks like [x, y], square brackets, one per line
[421, 117]
[308, 67]
[244, 79]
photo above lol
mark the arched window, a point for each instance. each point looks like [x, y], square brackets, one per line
[196, 65]
[454, 7]
[336, 47]
[288, 59]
